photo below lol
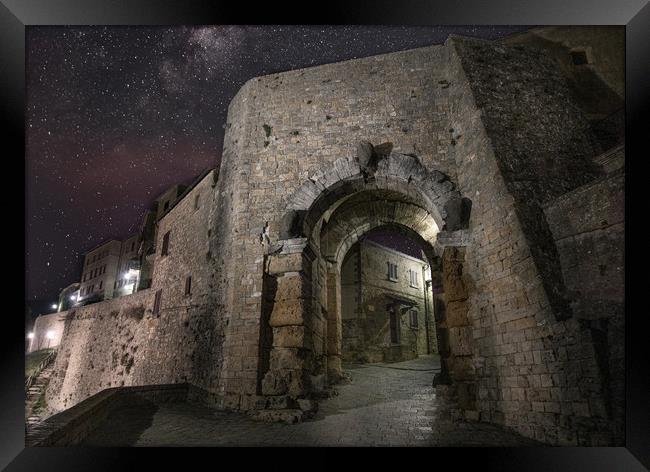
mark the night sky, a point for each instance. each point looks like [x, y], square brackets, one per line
[116, 115]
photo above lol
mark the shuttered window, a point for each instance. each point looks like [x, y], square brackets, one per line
[165, 244]
[413, 318]
[392, 271]
[188, 285]
[156, 302]
[413, 278]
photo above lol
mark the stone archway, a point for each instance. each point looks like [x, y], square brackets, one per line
[301, 334]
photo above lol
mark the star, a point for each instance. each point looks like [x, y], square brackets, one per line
[117, 115]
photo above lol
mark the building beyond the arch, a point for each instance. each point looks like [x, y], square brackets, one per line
[494, 154]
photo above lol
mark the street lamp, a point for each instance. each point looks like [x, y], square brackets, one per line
[49, 336]
[130, 279]
[54, 306]
[30, 336]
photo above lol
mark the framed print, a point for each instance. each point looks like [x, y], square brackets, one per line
[398, 226]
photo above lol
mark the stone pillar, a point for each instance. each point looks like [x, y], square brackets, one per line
[334, 325]
[458, 331]
[286, 384]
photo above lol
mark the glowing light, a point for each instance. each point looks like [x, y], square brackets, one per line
[54, 306]
[73, 298]
[30, 335]
[132, 273]
[50, 335]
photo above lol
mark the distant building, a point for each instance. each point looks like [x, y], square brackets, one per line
[168, 199]
[100, 271]
[386, 305]
[149, 231]
[69, 296]
[147, 248]
[118, 268]
[128, 271]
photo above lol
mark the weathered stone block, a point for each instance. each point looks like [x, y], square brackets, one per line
[287, 359]
[289, 336]
[281, 402]
[460, 341]
[456, 312]
[289, 312]
[281, 263]
[461, 368]
[274, 383]
[292, 286]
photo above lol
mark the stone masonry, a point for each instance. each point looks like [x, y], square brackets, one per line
[367, 295]
[478, 150]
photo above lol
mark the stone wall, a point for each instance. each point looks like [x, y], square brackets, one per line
[284, 128]
[189, 256]
[122, 342]
[588, 225]
[504, 116]
[535, 364]
[603, 76]
[495, 125]
[44, 324]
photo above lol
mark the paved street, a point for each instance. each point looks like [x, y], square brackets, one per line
[384, 405]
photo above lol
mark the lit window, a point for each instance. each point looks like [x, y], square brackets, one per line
[392, 271]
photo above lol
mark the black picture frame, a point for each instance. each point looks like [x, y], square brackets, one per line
[16, 15]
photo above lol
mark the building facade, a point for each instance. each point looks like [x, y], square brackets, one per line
[128, 270]
[476, 149]
[68, 297]
[386, 305]
[100, 272]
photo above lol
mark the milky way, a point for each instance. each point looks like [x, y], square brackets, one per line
[115, 115]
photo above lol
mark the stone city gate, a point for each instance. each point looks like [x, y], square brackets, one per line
[301, 319]
[530, 280]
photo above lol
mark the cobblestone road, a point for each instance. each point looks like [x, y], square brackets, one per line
[384, 405]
